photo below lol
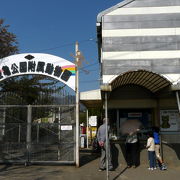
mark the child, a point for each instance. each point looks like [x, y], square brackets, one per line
[151, 151]
[157, 148]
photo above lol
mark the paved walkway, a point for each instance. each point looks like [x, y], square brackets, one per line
[87, 171]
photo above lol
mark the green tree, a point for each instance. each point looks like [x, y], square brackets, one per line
[8, 41]
[29, 88]
[32, 89]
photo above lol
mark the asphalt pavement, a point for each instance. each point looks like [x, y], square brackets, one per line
[88, 170]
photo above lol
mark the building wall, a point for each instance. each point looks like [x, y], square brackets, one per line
[144, 34]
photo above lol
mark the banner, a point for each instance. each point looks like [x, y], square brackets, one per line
[37, 63]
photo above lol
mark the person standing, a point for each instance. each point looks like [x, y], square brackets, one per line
[156, 136]
[131, 145]
[101, 136]
[151, 151]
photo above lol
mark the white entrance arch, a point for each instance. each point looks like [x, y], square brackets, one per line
[38, 63]
[48, 65]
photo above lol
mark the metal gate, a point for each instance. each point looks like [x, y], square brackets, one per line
[37, 134]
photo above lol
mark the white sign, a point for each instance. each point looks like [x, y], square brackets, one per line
[93, 120]
[66, 127]
[36, 63]
[170, 120]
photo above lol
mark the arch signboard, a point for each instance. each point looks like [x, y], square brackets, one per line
[38, 63]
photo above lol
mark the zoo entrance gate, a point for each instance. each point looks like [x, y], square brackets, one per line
[35, 134]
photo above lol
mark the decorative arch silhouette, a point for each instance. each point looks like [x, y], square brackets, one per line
[38, 63]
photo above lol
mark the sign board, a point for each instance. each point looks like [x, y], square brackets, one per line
[169, 120]
[134, 114]
[37, 63]
[66, 127]
[93, 120]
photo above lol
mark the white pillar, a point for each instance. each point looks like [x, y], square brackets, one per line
[87, 128]
[77, 105]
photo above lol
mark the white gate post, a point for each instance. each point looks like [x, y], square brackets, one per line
[77, 105]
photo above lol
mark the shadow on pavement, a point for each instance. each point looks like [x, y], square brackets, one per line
[120, 173]
[5, 168]
[87, 157]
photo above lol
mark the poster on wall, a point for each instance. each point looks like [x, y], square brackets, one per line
[93, 120]
[169, 120]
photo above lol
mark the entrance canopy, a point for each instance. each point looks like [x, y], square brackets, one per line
[91, 98]
[150, 80]
[38, 63]
[147, 79]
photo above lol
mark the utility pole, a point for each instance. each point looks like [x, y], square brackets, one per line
[77, 101]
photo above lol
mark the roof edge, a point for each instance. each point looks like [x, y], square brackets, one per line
[119, 5]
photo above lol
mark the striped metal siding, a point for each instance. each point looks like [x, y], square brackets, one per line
[144, 34]
[151, 81]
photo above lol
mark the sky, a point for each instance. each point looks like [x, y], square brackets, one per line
[53, 27]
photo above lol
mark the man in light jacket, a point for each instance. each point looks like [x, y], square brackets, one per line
[101, 136]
